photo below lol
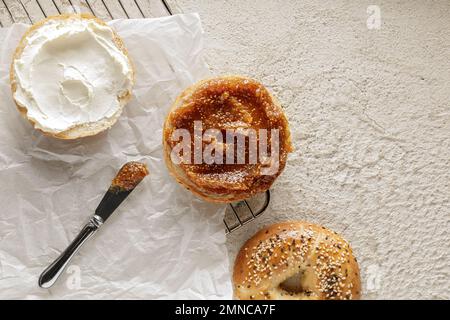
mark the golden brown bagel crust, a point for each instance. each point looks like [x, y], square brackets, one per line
[324, 260]
[78, 131]
[249, 102]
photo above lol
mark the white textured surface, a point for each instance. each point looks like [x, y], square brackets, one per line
[370, 116]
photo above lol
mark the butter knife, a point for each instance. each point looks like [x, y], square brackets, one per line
[128, 177]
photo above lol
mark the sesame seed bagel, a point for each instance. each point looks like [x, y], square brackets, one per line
[296, 261]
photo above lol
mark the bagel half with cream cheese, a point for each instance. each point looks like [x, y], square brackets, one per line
[71, 76]
[296, 260]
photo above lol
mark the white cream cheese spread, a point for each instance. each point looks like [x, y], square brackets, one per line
[71, 73]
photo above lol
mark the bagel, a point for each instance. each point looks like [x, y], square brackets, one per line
[224, 104]
[71, 76]
[296, 261]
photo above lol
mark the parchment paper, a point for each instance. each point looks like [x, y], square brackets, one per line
[162, 242]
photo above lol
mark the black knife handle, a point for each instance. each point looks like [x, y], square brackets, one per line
[53, 271]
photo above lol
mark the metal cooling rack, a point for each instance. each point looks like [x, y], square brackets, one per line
[31, 11]
[242, 212]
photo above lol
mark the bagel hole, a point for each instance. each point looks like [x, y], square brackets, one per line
[293, 284]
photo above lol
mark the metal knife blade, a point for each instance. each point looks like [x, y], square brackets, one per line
[128, 177]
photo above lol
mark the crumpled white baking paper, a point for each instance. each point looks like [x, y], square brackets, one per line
[162, 242]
